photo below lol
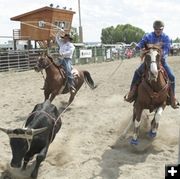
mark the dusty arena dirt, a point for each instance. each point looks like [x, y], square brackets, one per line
[89, 144]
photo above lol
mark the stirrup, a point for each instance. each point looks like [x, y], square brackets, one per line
[73, 89]
[127, 99]
[175, 104]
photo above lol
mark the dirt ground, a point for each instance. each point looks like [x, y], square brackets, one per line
[89, 144]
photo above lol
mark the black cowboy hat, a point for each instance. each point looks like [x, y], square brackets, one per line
[67, 36]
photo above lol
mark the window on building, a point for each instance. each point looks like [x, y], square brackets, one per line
[41, 24]
[62, 24]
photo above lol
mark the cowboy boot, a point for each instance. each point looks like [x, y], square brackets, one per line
[72, 89]
[131, 96]
[174, 102]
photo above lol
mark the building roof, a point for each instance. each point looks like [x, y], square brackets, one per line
[46, 8]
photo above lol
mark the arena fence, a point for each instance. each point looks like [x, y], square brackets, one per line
[18, 60]
[96, 54]
[21, 60]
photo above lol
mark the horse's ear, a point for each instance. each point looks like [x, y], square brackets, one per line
[144, 52]
[149, 46]
[142, 56]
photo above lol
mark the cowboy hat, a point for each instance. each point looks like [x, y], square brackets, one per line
[67, 36]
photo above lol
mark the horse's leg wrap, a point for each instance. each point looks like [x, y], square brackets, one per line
[136, 129]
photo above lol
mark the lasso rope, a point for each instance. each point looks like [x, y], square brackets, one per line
[30, 23]
[115, 69]
[179, 148]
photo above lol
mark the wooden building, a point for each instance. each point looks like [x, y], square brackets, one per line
[39, 25]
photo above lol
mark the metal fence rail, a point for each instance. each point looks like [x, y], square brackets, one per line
[22, 60]
[18, 60]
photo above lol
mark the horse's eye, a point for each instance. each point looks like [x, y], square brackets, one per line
[148, 58]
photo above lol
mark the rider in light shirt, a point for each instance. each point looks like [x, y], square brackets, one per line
[66, 49]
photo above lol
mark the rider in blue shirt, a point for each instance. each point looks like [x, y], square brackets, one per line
[159, 38]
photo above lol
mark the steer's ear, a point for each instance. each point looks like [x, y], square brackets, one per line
[38, 131]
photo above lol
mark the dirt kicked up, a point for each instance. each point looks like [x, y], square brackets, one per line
[89, 144]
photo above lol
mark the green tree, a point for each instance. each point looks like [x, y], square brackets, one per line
[75, 38]
[121, 33]
[74, 35]
[177, 40]
[107, 35]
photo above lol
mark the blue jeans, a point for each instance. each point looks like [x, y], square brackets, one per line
[139, 72]
[67, 64]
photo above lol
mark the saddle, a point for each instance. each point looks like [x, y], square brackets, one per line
[75, 74]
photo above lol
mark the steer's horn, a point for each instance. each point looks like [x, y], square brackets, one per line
[38, 131]
[7, 131]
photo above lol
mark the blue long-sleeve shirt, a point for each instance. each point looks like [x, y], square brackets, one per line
[152, 38]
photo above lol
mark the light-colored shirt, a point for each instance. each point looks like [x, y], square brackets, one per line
[65, 49]
[152, 38]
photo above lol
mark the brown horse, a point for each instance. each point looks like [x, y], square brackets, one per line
[56, 81]
[152, 92]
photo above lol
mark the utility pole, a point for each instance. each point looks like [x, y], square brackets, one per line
[80, 27]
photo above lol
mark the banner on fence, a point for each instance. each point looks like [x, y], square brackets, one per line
[85, 53]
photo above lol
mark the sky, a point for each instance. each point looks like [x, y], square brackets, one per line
[99, 14]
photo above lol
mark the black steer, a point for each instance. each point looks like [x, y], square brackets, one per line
[35, 137]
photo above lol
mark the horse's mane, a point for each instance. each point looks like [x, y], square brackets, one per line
[52, 61]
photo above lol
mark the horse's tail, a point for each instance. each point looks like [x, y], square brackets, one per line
[89, 80]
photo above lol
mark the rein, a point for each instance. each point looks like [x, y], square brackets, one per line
[154, 95]
[60, 72]
[146, 80]
[45, 69]
[43, 75]
[150, 91]
[48, 66]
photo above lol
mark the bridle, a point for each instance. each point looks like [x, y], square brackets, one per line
[42, 66]
[152, 66]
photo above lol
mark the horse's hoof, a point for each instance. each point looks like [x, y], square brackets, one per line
[134, 142]
[152, 134]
